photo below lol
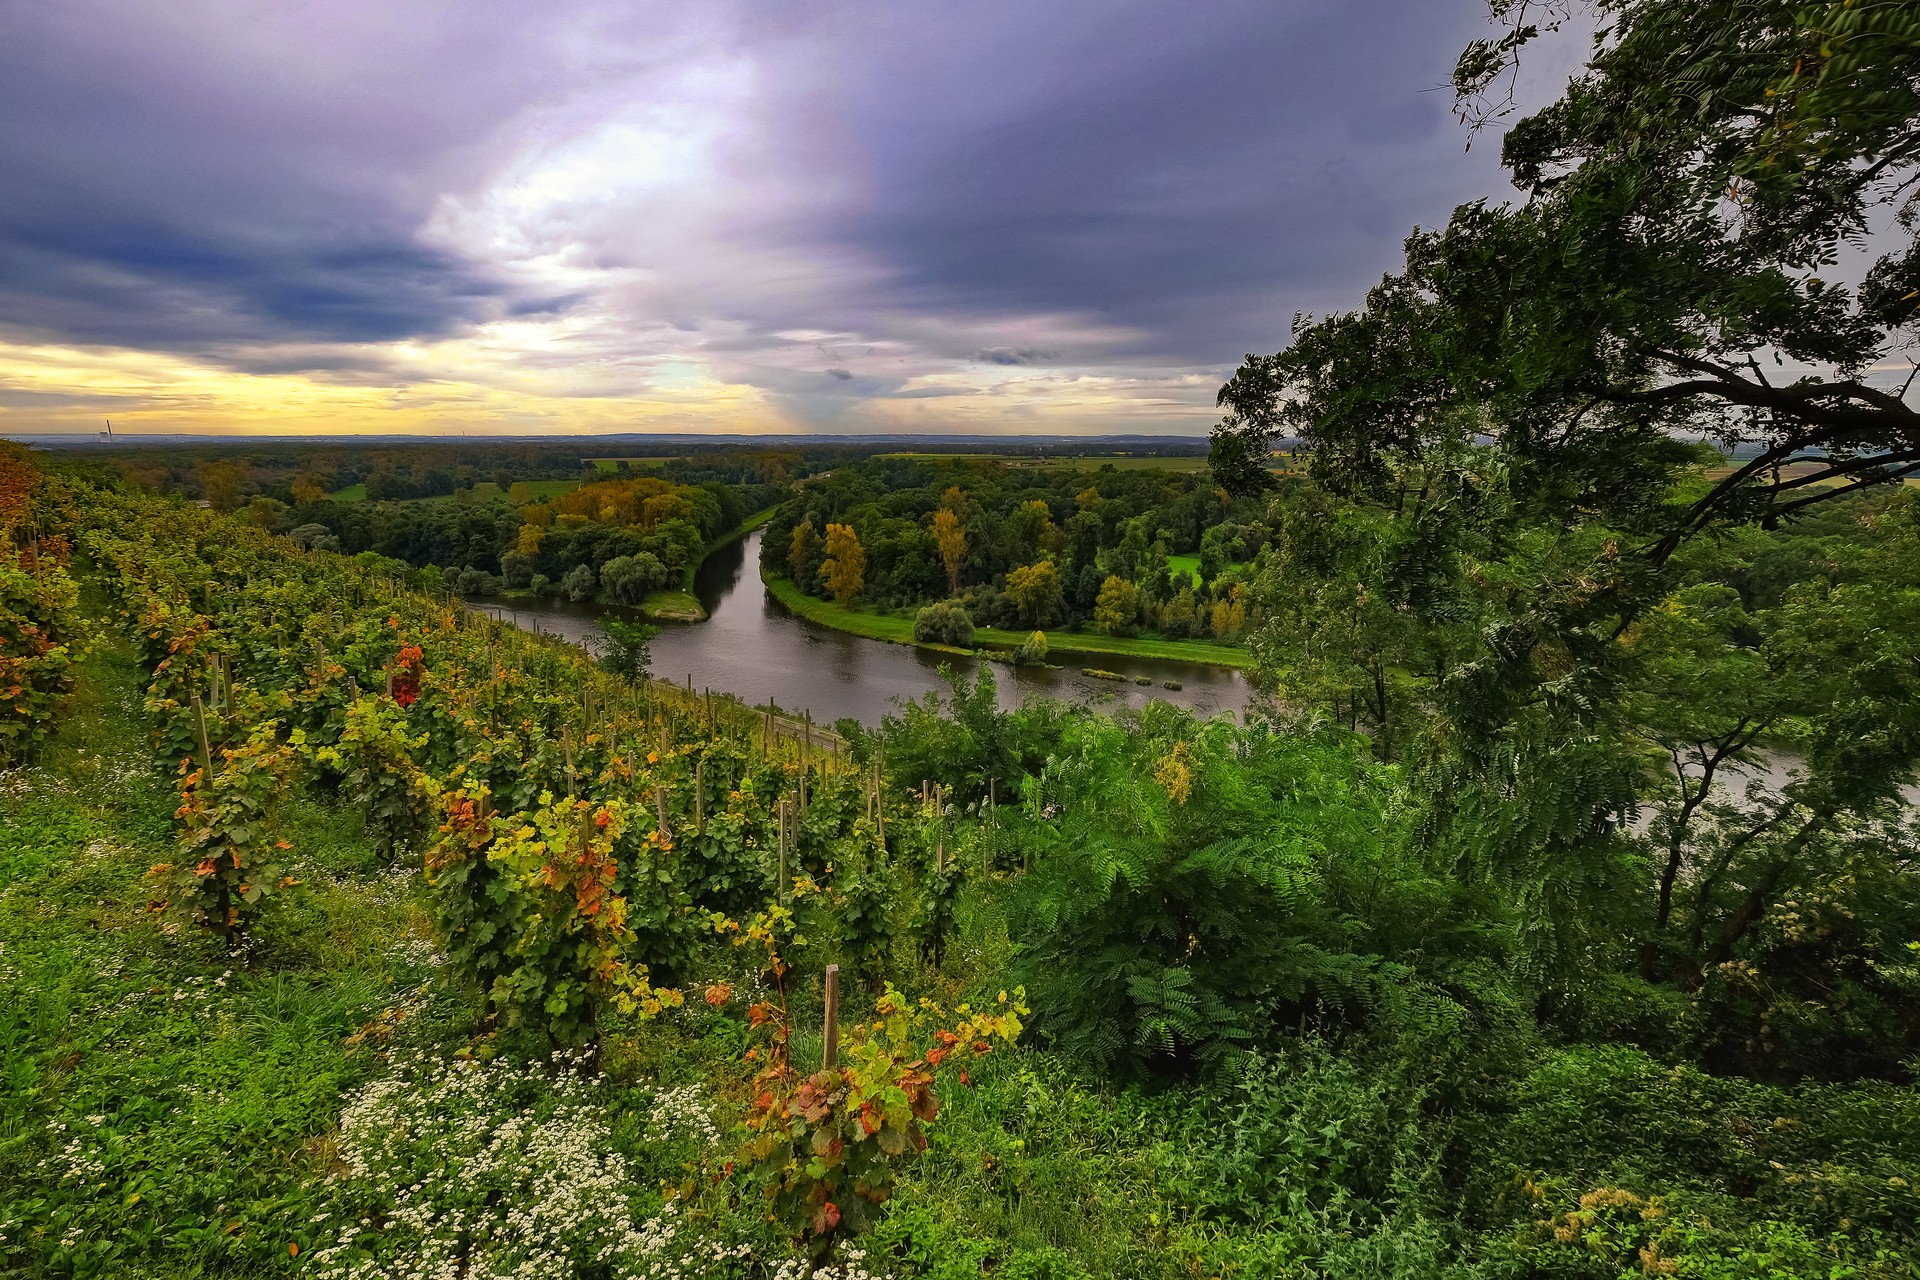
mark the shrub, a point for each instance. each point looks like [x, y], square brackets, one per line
[375, 753]
[228, 855]
[314, 537]
[533, 912]
[629, 649]
[826, 1147]
[517, 569]
[945, 622]
[628, 579]
[476, 582]
[579, 583]
[39, 630]
[1033, 652]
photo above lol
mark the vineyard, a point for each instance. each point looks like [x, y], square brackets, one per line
[355, 934]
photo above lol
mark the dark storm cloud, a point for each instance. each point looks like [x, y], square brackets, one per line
[1193, 172]
[1138, 189]
[1015, 355]
[177, 180]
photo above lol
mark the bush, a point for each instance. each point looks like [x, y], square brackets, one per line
[629, 649]
[628, 579]
[476, 582]
[38, 635]
[517, 569]
[540, 584]
[1033, 652]
[944, 623]
[315, 537]
[579, 583]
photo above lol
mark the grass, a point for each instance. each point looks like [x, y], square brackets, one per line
[674, 606]
[537, 491]
[613, 464]
[740, 531]
[898, 629]
[1077, 462]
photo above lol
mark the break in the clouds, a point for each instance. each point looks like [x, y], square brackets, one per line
[749, 216]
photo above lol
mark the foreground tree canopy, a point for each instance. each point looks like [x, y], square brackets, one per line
[1532, 564]
[1666, 277]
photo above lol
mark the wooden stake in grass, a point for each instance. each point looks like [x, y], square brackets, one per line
[206, 750]
[660, 806]
[783, 848]
[566, 744]
[831, 1030]
[700, 796]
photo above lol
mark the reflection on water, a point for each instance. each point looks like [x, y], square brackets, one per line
[752, 647]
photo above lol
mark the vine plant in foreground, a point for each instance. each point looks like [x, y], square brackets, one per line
[825, 1148]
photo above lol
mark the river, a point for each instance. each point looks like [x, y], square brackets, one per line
[752, 647]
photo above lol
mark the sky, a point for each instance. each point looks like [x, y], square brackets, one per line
[736, 216]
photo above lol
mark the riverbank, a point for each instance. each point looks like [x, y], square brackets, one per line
[899, 630]
[746, 527]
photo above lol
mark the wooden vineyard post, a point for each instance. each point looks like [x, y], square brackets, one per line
[700, 796]
[880, 804]
[783, 848]
[206, 751]
[353, 689]
[566, 744]
[660, 805]
[831, 1030]
[389, 679]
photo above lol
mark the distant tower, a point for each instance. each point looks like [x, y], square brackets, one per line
[106, 437]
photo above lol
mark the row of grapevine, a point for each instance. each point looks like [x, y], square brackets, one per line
[40, 633]
[590, 843]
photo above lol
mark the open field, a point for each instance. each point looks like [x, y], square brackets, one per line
[1078, 462]
[537, 491]
[899, 629]
[611, 464]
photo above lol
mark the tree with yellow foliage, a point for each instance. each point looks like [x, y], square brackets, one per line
[951, 538]
[1035, 589]
[845, 568]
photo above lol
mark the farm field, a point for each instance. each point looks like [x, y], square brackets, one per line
[1087, 462]
[613, 464]
[537, 491]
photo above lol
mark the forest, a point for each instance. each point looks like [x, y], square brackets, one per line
[1024, 548]
[1552, 910]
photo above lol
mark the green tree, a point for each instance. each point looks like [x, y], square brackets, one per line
[1686, 200]
[803, 553]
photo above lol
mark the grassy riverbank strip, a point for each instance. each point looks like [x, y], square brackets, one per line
[899, 630]
[740, 531]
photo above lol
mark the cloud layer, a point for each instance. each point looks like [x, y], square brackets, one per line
[772, 216]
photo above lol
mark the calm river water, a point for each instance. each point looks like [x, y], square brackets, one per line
[752, 647]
